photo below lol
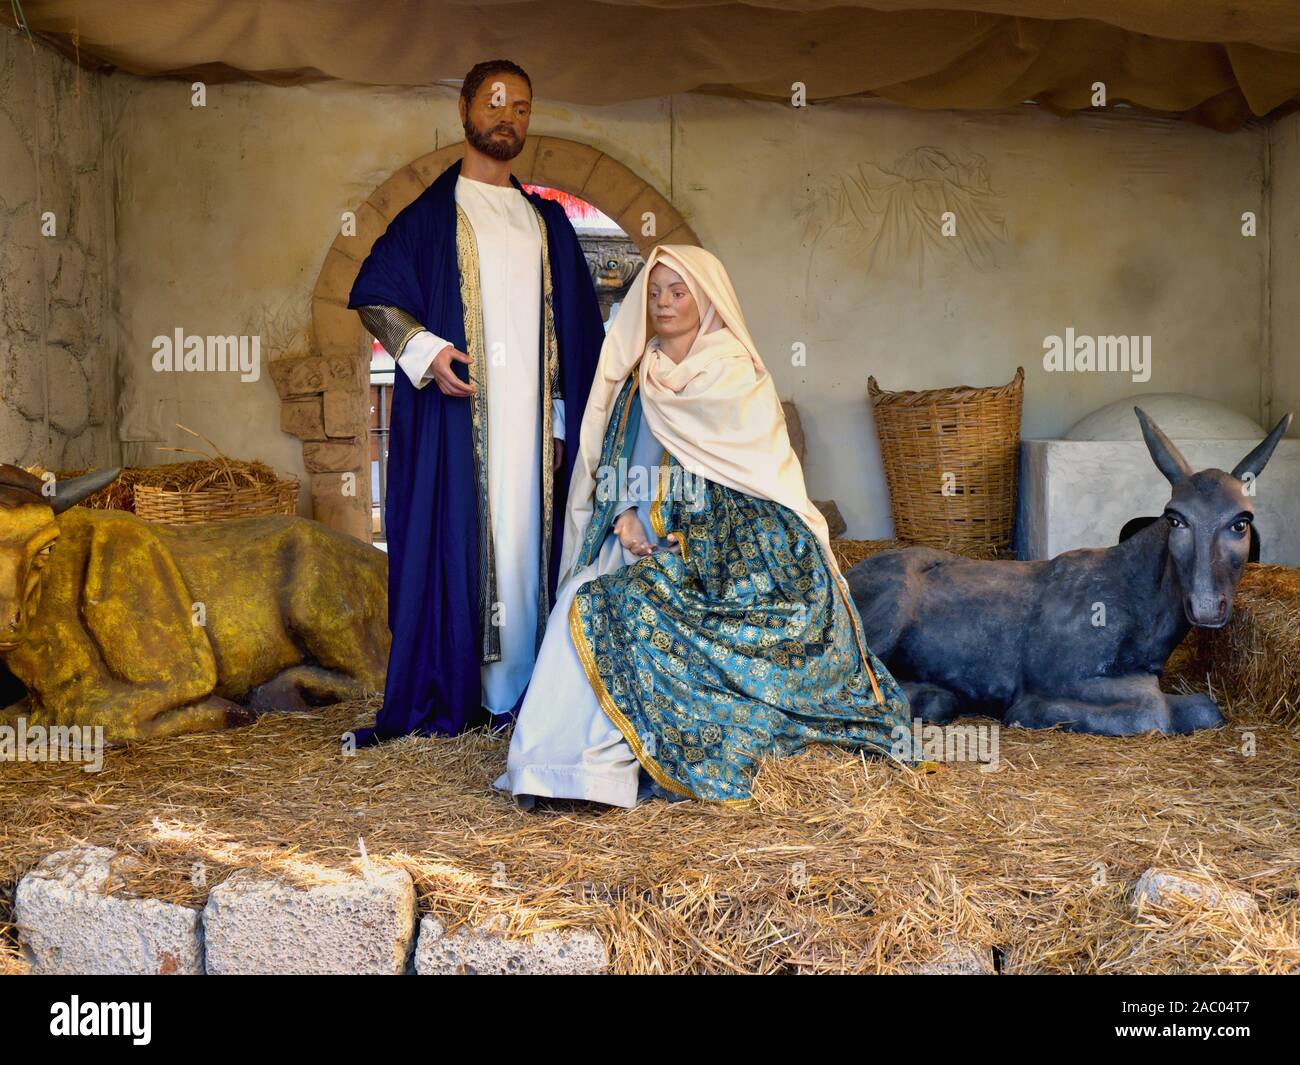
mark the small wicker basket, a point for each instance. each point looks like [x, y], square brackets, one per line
[173, 506]
[951, 458]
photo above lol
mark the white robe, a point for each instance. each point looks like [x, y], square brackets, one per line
[510, 279]
[564, 746]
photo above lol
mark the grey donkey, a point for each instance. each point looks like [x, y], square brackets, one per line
[1080, 640]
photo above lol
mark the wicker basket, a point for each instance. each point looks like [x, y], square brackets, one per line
[951, 459]
[173, 506]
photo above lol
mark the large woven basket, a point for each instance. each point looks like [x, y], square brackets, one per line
[173, 506]
[951, 459]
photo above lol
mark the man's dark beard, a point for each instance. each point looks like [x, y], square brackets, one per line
[502, 150]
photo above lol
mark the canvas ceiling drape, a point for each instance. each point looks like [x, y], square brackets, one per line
[1218, 62]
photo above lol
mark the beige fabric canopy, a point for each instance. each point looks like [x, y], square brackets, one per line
[1218, 62]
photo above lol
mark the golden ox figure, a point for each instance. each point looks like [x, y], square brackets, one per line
[151, 630]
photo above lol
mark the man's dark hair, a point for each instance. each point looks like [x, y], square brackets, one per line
[479, 72]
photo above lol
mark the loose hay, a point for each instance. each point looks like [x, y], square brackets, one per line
[843, 864]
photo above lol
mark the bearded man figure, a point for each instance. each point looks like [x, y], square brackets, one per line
[481, 294]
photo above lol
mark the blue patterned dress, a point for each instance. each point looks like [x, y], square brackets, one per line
[741, 646]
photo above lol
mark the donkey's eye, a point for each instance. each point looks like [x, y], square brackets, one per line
[1240, 525]
[1175, 522]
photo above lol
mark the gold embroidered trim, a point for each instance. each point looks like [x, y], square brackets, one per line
[857, 631]
[624, 726]
[391, 326]
[550, 357]
[471, 298]
[657, 511]
[616, 449]
[657, 503]
[622, 419]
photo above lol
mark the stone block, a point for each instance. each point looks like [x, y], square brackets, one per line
[955, 959]
[337, 330]
[354, 924]
[428, 168]
[1167, 889]
[303, 418]
[563, 164]
[611, 186]
[334, 456]
[73, 919]
[487, 950]
[344, 414]
[397, 193]
[370, 226]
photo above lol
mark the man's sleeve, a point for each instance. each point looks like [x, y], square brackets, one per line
[417, 358]
[557, 418]
[391, 326]
[411, 345]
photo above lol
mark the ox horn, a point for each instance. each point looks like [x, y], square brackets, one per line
[72, 491]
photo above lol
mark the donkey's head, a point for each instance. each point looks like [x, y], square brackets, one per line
[27, 534]
[1209, 516]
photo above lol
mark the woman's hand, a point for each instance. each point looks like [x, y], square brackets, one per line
[631, 533]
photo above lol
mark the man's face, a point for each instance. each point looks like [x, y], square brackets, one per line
[496, 121]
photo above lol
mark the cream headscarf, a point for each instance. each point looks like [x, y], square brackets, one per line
[716, 411]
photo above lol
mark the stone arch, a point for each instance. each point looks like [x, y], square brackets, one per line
[324, 397]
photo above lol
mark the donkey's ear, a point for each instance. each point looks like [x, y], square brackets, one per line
[72, 491]
[1255, 462]
[1168, 459]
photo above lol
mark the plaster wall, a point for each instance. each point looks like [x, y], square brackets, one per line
[827, 217]
[57, 336]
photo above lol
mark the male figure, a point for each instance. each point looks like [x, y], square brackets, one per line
[482, 295]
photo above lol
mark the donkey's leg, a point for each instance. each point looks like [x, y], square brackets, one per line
[1194, 711]
[931, 703]
[1105, 706]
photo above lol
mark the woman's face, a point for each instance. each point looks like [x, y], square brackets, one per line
[673, 312]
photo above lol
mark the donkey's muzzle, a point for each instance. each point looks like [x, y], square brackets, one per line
[1207, 611]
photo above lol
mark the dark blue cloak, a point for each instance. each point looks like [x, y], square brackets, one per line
[433, 685]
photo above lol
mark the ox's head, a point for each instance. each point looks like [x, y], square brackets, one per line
[27, 534]
[1209, 514]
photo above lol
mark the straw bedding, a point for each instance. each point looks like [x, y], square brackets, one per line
[843, 864]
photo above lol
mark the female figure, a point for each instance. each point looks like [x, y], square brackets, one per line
[702, 622]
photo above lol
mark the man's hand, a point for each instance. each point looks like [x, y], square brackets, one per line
[559, 456]
[631, 533]
[448, 383]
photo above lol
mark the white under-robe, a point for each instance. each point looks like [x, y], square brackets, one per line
[509, 242]
[564, 746]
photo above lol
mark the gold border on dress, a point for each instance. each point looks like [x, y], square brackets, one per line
[625, 726]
